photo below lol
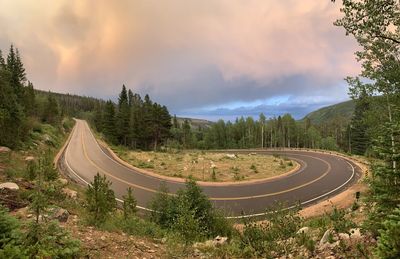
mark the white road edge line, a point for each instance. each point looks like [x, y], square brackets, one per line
[84, 181]
[302, 203]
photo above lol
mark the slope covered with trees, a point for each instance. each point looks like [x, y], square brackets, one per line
[344, 110]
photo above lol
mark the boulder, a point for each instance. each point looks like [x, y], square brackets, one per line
[325, 237]
[355, 233]
[231, 156]
[303, 230]
[220, 240]
[344, 236]
[63, 181]
[70, 193]
[29, 158]
[9, 186]
[4, 150]
[61, 215]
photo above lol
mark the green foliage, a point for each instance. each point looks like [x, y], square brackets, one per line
[325, 115]
[339, 223]
[272, 237]
[100, 200]
[189, 213]
[8, 229]
[129, 205]
[389, 240]
[214, 175]
[50, 241]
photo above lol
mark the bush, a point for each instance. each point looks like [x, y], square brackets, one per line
[189, 213]
[389, 240]
[50, 241]
[272, 237]
[100, 200]
[8, 228]
[129, 206]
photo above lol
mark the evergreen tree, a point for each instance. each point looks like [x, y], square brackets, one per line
[2, 61]
[358, 127]
[123, 117]
[51, 112]
[18, 75]
[129, 205]
[29, 100]
[11, 114]
[100, 200]
[109, 126]
[187, 134]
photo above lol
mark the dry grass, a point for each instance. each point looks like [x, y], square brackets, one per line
[207, 166]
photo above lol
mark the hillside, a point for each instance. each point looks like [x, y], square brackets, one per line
[344, 110]
[196, 123]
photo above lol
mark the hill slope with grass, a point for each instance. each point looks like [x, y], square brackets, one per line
[342, 110]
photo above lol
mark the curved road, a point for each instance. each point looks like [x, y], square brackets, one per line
[320, 176]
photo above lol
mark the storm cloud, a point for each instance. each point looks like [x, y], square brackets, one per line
[202, 58]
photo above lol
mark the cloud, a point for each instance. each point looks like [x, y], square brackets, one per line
[185, 54]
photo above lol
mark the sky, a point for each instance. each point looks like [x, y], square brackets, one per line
[205, 59]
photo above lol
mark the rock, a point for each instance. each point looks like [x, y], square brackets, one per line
[61, 215]
[4, 150]
[151, 251]
[47, 138]
[9, 186]
[231, 156]
[355, 233]
[62, 181]
[219, 241]
[103, 238]
[29, 158]
[344, 236]
[325, 237]
[70, 193]
[303, 230]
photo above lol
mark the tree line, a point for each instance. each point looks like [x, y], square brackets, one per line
[276, 132]
[133, 122]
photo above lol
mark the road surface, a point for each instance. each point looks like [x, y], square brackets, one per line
[320, 176]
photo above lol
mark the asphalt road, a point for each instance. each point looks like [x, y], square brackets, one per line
[319, 177]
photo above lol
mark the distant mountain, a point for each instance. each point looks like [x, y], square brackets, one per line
[196, 123]
[342, 110]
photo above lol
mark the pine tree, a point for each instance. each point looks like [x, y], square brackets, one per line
[129, 206]
[11, 113]
[123, 117]
[109, 126]
[187, 134]
[29, 100]
[358, 126]
[18, 75]
[51, 112]
[136, 120]
[100, 200]
[2, 61]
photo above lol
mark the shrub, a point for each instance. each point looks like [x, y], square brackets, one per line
[50, 241]
[100, 200]
[214, 175]
[129, 206]
[272, 237]
[189, 213]
[339, 222]
[9, 226]
[389, 240]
